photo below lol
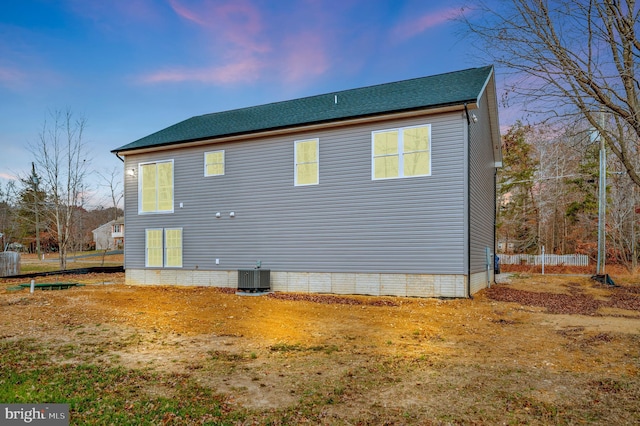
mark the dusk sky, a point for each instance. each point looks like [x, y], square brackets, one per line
[133, 67]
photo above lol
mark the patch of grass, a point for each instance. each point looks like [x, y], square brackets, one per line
[285, 347]
[297, 347]
[30, 268]
[327, 349]
[226, 356]
[106, 395]
[111, 394]
[608, 385]
[518, 404]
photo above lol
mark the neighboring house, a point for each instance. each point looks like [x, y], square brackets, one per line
[380, 190]
[110, 235]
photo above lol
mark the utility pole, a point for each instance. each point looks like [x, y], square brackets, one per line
[602, 203]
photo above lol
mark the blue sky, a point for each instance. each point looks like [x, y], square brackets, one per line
[133, 67]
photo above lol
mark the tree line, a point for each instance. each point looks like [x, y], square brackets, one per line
[548, 196]
[47, 210]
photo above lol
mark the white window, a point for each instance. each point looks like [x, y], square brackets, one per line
[306, 162]
[173, 247]
[402, 152]
[155, 183]
[153, 248]
[214, 163]
[163, 247]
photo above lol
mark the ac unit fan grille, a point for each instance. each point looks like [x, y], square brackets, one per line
[254, 280]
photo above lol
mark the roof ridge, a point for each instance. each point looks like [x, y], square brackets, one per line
[337, 92]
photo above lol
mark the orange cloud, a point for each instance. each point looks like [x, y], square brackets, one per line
[412, 28]
[7, 176]
[235, 32]
[247, 70]
[305, 57]
[232, 30]
[238, 22]
[185, 13]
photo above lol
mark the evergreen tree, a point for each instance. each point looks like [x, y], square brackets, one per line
[517, 219]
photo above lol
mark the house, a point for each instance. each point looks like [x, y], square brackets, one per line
[380, 190]
[506, 246]
[110, 235]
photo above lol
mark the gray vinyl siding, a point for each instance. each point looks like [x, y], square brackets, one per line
[346, 223]
[482, 186]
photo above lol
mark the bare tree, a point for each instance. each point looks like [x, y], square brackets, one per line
[620, 221]
[112, 180]
[571, 60]
[60, 155]
[552, 192]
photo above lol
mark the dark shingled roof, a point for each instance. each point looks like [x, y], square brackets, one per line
[455, 88]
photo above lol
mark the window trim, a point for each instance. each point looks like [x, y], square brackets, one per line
[223, 163]
[295, 161]
[140, 187]
[163, 248]
[401, 152]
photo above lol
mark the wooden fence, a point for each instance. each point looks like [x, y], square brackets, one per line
[549, 259]
[9, 263]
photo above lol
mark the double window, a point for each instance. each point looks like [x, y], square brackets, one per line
[163, 247]
[402, 152]
[156, 187]
[307, 164]
[214, 163]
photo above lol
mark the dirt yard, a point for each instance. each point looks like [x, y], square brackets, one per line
[538, 350]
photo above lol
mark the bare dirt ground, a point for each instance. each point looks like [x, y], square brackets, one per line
[537, 350]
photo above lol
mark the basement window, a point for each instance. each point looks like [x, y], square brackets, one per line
[163, 247]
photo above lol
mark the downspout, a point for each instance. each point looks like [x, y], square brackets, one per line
[119, 158]
[466, 111]
[495, 220]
